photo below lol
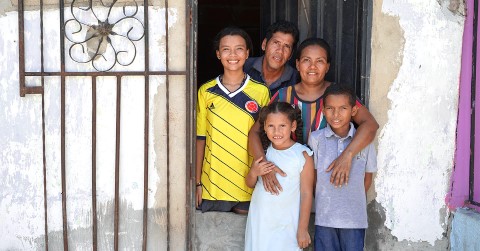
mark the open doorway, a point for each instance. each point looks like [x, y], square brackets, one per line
[213, 15]
[344, 24]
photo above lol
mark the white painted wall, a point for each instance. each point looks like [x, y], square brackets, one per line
[416, 144]
[21, 164]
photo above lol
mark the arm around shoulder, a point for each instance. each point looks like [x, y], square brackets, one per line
[366, 131]
[255, 147]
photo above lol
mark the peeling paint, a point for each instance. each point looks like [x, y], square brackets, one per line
[387, 46]
[379, 237]
[416, 142]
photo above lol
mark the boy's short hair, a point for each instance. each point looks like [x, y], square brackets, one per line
[285, 27]
[340, 89]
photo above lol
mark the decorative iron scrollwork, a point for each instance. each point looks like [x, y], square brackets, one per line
[102, 36]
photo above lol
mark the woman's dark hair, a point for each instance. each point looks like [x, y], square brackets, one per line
[232, 31]
[293, 114]
[284, 27]
[314, 41]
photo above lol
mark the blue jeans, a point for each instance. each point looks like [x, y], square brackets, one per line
[339, 239]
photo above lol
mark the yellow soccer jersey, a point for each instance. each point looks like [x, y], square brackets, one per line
[223, 120]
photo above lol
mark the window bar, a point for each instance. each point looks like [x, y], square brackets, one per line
[338, 46]
[62, 124]
[44, 173]
[358, 49]
[21, 49]
[167, 81]
[190, 117]
[146, 128]
[117, 164]
[94, 163]
[473, 93]
[45, 205]
[62, 140]
[273, 9]
[321, 18]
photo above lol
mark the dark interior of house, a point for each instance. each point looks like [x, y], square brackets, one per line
[213, 15]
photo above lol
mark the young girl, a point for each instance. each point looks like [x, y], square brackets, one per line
[280, 222]
[226, 109]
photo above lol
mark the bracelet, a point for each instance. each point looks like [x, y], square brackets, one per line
[198, 184]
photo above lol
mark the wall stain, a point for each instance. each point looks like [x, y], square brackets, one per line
[457, 7]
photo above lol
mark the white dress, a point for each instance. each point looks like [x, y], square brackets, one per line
[273, 219]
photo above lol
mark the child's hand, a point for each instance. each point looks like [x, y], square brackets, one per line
[260, 167]
[198, 196]
[303, 238]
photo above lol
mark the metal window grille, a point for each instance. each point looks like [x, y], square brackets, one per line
[92, 46]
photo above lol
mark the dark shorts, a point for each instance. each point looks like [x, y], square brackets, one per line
[333, 239]
[223, 206]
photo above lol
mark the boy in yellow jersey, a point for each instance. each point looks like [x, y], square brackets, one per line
[227, 107]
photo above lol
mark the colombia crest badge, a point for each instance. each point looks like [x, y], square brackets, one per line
[251, 106]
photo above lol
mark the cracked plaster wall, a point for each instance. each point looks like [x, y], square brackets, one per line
[416, 52]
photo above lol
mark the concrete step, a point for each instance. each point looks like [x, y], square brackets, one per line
[218, 231]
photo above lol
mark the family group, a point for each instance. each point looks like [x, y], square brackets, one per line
[275, 141]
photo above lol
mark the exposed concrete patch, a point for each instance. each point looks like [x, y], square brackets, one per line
[379, 237]
[6, 6]
[219, 231]
[457, 7]
[226, 231]
[387, 56]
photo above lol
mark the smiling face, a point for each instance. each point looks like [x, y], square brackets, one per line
[312, 64]
[278, 129]
[232, 52]
[278, 50]
[338, 112]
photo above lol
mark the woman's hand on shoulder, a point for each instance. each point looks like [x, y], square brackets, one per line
[261, 167]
